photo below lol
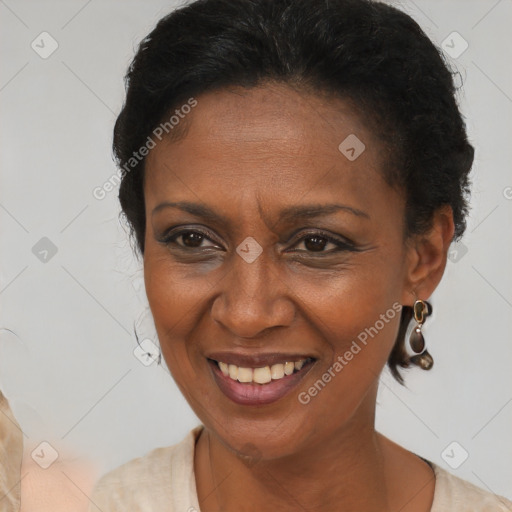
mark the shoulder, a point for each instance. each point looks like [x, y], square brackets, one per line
[134, 482]
[453, 493]
[162, 479]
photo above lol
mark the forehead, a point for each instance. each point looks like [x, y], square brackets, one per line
[269, 142]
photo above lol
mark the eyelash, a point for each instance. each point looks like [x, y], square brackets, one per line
[341, 245]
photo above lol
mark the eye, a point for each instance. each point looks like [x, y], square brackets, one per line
[317, 242]
[188, 239]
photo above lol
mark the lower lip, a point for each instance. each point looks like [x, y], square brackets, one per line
[257, 394]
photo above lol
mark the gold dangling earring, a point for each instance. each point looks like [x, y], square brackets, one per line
[414, 341]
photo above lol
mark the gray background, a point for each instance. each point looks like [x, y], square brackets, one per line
[69, 369]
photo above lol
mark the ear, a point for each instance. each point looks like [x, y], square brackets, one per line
[426, 257]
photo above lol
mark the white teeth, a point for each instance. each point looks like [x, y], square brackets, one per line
[277, 371]
[233, 371]
[244, 375]
[224, 368]
[261, 375]
[299, 364]
[288, 368]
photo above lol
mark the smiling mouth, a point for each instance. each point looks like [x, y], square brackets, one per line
[261, 385]
[262, 375]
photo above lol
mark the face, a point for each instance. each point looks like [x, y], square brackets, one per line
[283, 249]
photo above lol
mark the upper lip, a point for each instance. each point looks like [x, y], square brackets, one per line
[256, 360]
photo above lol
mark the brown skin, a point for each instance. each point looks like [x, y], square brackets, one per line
[248, 153]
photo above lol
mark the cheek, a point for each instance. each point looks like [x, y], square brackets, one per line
[175, 300]
[358, 322]
[362, 320]
[359, 325]
[178, 302]
[357, 303]
[358, 316]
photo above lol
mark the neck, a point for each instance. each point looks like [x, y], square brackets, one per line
[345, 471]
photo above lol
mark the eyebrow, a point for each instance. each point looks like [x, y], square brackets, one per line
[317, 210]
[286, 215]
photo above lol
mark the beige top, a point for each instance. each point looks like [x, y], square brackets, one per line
[164, 481]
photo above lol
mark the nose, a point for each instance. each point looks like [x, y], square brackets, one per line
[252, 298]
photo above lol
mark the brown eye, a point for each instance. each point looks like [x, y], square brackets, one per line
[192, 239]
[315, 243]
[318, 242]
[188, 239]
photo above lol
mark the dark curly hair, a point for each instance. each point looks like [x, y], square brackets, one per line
[365, 52]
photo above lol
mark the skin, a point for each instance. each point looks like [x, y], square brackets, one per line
[247, 154]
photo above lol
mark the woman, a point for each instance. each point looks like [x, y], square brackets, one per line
[293, 172]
